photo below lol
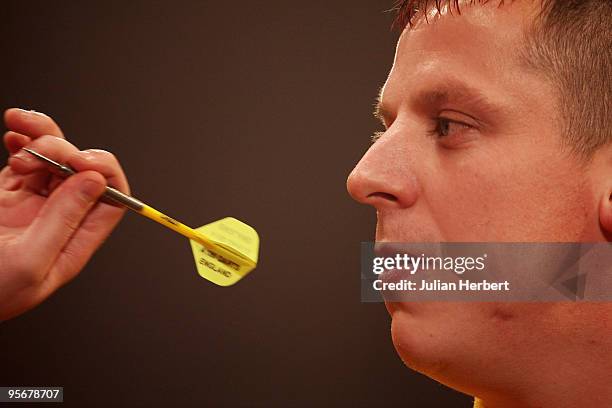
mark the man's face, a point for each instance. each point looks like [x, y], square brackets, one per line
[472, 152]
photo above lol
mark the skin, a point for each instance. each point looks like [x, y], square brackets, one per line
[491, 173]
[49, 227]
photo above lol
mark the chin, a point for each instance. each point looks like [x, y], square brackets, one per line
[415, 346]
[439, 339]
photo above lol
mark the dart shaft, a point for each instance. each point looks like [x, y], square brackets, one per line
[157, 216]
[143, 209]
[138, 206]
[123, 199]
[174, 225]
[188, 232]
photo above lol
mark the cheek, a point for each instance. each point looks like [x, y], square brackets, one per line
[523, 201]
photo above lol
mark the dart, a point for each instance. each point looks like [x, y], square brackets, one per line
[225, 251]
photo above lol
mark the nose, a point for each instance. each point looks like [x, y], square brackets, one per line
[385, 177]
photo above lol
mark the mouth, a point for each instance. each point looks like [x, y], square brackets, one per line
[400, 258]
[401, 276]
[388, 249]
[405, 260]
[394, 275]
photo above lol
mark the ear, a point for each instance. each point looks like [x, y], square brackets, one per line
[605, 214]
[604, 164]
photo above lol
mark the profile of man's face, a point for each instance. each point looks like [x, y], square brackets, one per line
[473, 151]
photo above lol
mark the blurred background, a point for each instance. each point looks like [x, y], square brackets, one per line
[257, 110]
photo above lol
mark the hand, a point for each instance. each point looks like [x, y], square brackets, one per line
[49, 226]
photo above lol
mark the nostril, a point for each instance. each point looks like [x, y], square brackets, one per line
[385, 196]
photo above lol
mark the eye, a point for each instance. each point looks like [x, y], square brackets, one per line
[447, 127]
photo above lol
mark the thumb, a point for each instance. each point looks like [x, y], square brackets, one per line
[61, 215]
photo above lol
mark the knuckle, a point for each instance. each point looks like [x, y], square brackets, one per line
[53, 142]
[102, 155]
[99, 160]
[41, 141]
[48, 139]
[68, 223]
[71, 214]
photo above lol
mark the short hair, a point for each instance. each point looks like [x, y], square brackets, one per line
[570, 42]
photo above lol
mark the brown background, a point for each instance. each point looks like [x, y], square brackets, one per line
[252, 109]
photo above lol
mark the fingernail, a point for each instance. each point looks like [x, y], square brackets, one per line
[33, 112]
[91, 189]
[30, 113]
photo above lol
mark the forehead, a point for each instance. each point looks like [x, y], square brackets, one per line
[481, 46]
[421, 12]
[492, 24]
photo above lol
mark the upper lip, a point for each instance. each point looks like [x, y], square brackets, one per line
[391, 249]
[412, 249]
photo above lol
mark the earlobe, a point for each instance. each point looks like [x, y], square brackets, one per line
[605, 215]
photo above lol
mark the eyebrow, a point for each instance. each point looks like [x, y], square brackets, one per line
[432, 97]
[455, 92]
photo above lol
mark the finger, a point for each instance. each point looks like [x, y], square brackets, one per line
[31, 123]
[99, 222]
[12, 180]
[92, 233]
[102, 162]
[60, 217]
[54, 148]
[9, 180]
[54, 182]
[14, 141]
[38, 172]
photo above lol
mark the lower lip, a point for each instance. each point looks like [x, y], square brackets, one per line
[393, 276]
